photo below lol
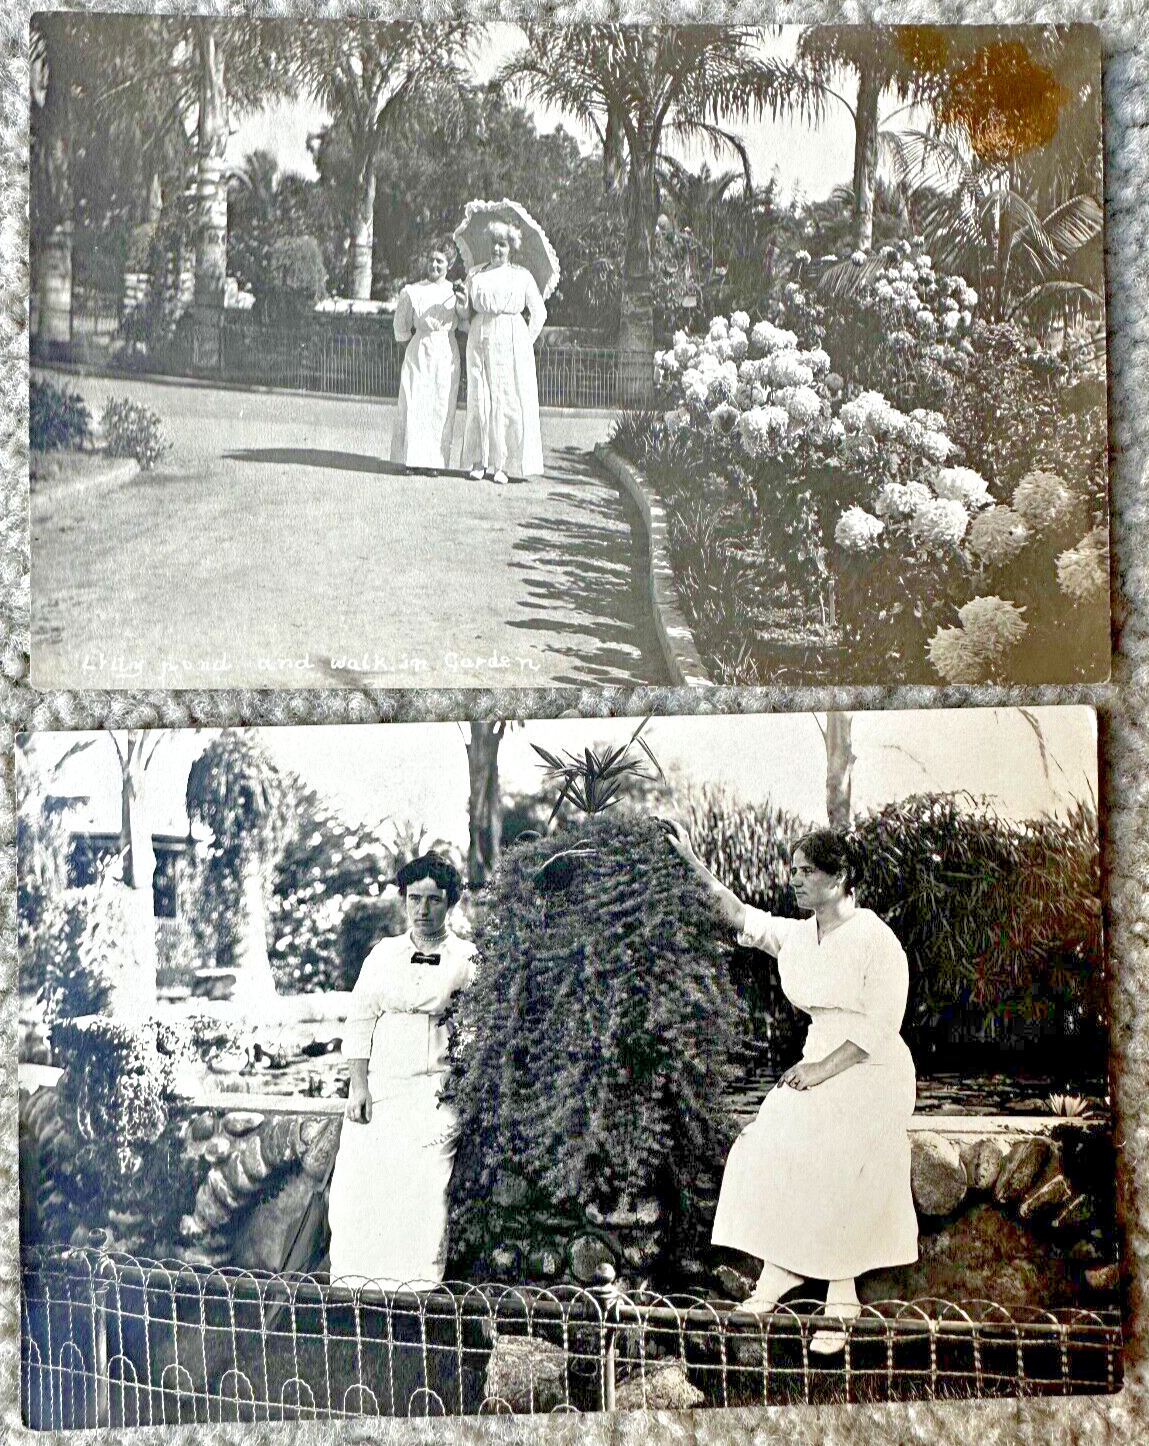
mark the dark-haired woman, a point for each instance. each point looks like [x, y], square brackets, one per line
[388, 1204]
[426, 316]
[818, 1185]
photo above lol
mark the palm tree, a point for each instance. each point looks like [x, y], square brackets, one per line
[910, 60]
[374, 79]
[981, 224]
[56, 56]
[170, 69]
[239, 794]
[1010, 183]
[634, 87]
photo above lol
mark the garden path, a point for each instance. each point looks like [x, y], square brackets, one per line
[274, 548]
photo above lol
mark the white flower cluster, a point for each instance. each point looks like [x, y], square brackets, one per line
[1083, 571]
[990, 627]
[761, 429]
[964, 485]
[997, 536]
[750, 380]
[857, 530]
[1042, 499]
[870, 413]
[939, 522]
[899, 500]
[909, 293]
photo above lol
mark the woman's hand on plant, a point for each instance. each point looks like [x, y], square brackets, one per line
[678, 839]
[804, 1075]
[358, 1109]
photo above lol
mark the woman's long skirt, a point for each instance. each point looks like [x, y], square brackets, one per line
[503, 429]
[388, 1203]
[819, 1182]
[428, 396]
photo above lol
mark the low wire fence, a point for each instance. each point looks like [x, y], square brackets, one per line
[109, 1340]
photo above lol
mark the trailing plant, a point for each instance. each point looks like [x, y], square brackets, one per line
[58, 419]
[133, 430]
[593, 1051]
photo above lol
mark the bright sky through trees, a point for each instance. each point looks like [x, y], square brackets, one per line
[813, 161]
[418, 772]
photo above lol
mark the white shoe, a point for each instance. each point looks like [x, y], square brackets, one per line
[499, 477]
[475, 474]
[830, 1342]
[756, 1305]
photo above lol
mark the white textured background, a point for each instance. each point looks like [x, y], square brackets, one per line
[1123, 706]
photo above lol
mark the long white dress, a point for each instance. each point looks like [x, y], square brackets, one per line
[819, 1182]
[388, 1201]
[429, 381]
[503, 428]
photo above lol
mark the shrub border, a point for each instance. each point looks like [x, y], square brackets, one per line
[674, 635]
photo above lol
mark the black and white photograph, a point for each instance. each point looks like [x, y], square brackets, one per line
[459, 354]
[563, 1066]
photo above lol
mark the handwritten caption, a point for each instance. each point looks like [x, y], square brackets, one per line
[174, 671]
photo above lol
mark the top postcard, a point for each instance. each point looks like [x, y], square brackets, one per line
[426, 355]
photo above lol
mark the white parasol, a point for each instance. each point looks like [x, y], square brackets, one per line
[536, 253]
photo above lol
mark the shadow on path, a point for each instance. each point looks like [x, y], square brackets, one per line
[587, 562]
[315, 457]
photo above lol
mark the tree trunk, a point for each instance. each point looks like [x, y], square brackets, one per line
[54, 290]
[211, 198]
[254, 982]
[839, 768]
[137, 991]
[485, 806]
[866, 156]
[613, 154]
[363, 234]
[636, 318]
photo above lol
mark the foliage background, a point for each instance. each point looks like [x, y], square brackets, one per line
[1123, 705]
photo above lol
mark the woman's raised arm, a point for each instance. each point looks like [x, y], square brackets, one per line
[728, 904]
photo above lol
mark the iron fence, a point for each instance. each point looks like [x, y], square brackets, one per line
[108, 1340]
[369, 363]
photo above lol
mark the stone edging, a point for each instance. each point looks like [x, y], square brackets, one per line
[118, 471]
[674, 635]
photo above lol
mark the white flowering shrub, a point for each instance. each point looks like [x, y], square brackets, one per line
[821, 436]
[1083, 570]
[979, 648]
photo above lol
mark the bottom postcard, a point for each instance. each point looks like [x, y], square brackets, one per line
[563, 1066]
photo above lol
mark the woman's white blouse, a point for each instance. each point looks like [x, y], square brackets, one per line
[424, 307]
[507, 291]
[393, 1018]
[854, 984]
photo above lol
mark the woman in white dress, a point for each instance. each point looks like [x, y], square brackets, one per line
[388, 1201]
[503, 438]
[426, 316]
[818, 1185]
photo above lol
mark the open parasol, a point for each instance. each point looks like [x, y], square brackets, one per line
[536, 253]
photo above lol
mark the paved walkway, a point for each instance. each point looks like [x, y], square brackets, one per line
[278, 550]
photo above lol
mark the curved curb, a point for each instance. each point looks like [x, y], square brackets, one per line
[674, 635]
[117, 472]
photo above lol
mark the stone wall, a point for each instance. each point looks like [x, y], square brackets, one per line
[1017, 1211]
